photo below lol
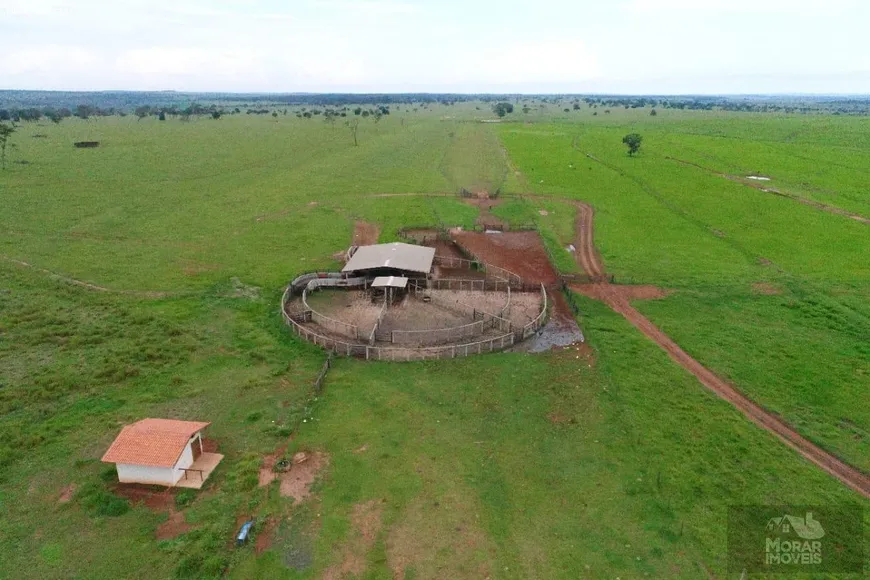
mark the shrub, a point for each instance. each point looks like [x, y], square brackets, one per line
[184, 498]
[99, 502]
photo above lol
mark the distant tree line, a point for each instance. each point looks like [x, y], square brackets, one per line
[23, 106]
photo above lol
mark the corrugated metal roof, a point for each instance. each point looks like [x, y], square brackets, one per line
[153, 442]
[396, 255]
[390, 281]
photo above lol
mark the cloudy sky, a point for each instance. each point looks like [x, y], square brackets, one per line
[618, 46]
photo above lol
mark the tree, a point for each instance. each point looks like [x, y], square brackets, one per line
[142, 111]
[5, 133]
[161, 116]
[84, 111]
[353, 125]
[216, 115]
[632, 141]
[653, 113]
[503, 108]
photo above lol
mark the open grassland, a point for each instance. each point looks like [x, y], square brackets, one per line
[608, 461]
[724, 247]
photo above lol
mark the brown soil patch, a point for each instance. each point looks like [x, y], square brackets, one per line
[173, 527]
[366, 523]
[296, 482]
[766, 289]
[267, 472]
[265, 536]
[194, 268]
[154, 498]
[362, 448]
[157, 500]
[599, 291]
[522, 253]
[365, 234]
[580, 351]
[66, 494]
[557, 418]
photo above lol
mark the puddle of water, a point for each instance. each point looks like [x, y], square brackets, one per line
[556, 333]
[757, 178]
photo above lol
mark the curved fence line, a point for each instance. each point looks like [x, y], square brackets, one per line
[350, 330]
[389, 353]
[377, 326]
[539, 321]
[441, 352]
[506, 309]
[437, 335]
[488, 269]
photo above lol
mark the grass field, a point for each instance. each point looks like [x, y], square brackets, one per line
[608, 461]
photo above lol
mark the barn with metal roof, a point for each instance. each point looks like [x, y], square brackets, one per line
[396, 259]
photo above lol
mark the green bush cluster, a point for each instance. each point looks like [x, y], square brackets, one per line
[99, 502]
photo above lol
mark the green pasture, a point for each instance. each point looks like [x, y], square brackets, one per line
[604, 462]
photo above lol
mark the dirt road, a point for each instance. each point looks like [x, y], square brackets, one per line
[618, 300]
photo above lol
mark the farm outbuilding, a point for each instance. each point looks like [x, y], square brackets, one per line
[396, 259]
[162, 452]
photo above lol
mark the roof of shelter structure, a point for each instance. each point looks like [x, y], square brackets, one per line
[390, 282]
[152, 442]
[397, 255]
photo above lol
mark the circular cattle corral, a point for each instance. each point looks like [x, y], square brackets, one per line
[462, 306]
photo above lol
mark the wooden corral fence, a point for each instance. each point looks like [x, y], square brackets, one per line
[376, 333]
[340, 347]
[321, 376]
[441, 234]
[474, 264]
[337, 326]
[441, 352]
[337, 346]
[539, 321]
[482, 321]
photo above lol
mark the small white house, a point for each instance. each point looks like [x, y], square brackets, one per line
[162, 452]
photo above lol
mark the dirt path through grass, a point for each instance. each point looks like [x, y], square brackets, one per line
[772, 190]
[95, 287]
[365, 233]
[618, 300]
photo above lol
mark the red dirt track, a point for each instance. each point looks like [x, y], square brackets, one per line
[618, 300]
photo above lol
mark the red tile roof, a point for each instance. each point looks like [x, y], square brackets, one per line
[152, 442]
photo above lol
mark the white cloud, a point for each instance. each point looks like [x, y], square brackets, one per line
[162, 61]
[690, 7]
[527, 62]
[379, 7]
[45, 59]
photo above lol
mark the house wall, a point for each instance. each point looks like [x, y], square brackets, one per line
[145, 474]
[186, 459]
